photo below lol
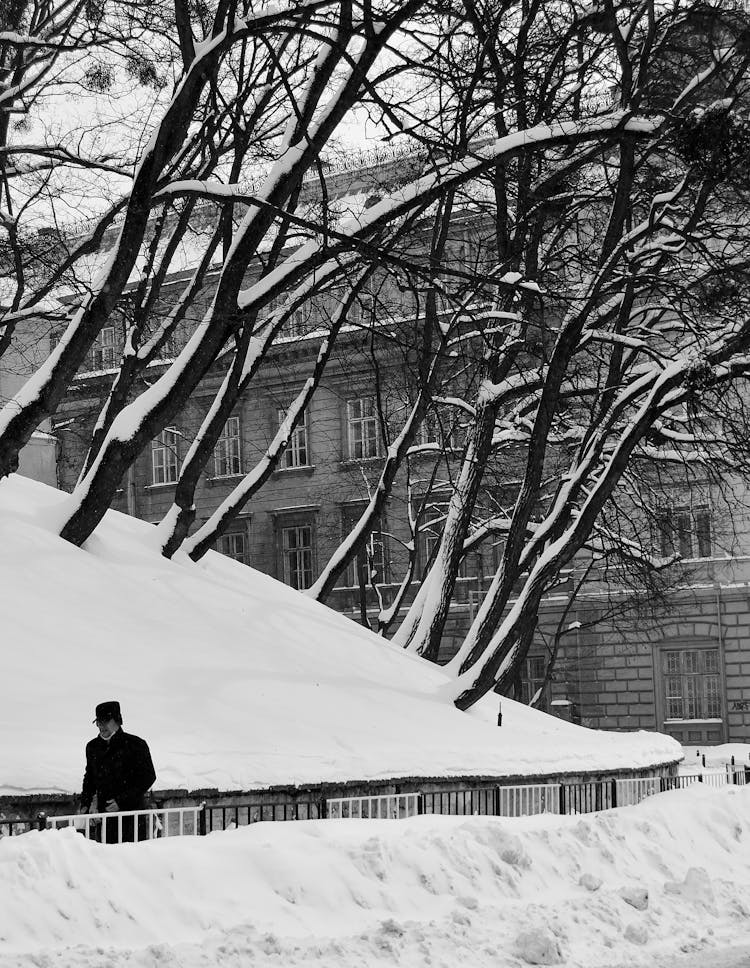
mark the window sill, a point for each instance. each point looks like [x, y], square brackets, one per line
[672, 721]
[305, 470]
[354, 461]
[157, 487]
[224, 479]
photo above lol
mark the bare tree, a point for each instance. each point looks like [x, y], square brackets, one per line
[595, 147]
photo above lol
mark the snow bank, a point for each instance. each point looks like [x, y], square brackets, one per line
[622, 887]
[236, 681]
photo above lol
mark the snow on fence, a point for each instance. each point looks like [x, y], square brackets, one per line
[519, 800]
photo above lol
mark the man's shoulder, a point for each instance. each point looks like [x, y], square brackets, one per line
[94, 744]
[132, 740]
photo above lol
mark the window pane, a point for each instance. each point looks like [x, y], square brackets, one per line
[376, 556]
[164, 457]
[692, 697]
[362, 428]
[692, 684]
[532, 677]
[703, 533]
[295, 454]
[684, 535]
[297, 556]
[234, 546]
[712, 695]
[673, 686]
[691, 662]
[666, 535]
[103, 350]
[227, 453]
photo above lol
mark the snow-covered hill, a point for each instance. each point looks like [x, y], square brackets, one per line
[235, 680]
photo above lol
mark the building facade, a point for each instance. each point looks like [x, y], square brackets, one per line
[682, 668]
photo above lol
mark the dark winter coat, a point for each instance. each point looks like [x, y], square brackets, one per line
[119, 769]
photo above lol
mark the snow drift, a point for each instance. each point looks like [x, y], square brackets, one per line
[623, 887]
[236, 681]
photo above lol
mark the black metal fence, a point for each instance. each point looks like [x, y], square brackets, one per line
[240, 815]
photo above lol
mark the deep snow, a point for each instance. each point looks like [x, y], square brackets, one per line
[629, 887]
[235, 680]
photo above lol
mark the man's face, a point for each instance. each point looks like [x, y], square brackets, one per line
[106, 727]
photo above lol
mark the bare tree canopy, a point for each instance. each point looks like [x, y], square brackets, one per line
[563, 209]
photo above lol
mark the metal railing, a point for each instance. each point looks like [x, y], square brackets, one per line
[526, 800]
[240, 815]
[392, 806]
[518, 800]
[127, 826]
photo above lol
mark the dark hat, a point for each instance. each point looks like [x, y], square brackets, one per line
[109, 710]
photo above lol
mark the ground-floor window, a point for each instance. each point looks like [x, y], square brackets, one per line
[371, 561]
[692, 684]
[234, 545]
[691, 694]
[532, 678]
[297, 555]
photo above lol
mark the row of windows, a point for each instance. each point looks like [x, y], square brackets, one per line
[298, 554]
[685, 531]
[363, 440]
[105, 352]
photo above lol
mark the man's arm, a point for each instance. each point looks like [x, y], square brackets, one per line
[140, 773]
[146, 772]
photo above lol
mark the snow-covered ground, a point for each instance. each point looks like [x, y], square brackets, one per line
[639, 886]
[235, 680]
[714, 756]
[238, 682]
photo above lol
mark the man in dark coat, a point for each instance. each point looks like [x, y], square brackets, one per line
[119, 773]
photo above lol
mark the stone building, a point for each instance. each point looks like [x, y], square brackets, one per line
[678, 666]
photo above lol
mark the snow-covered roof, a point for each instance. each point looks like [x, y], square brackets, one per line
[236, 680]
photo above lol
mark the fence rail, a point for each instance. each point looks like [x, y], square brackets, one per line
[520, 800]
[391, 806]
[131, 825]
[528, 800]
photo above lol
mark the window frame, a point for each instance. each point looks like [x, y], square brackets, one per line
[350, 514]
[291, 556]
[289, 459]
[686, 530]
[702, 730]
[471, 566]
[362, 421]
[170, 457]
[103, 352]
[532, 681]
[693, 678]
[224, 539]
[231, 444]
